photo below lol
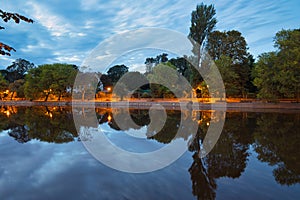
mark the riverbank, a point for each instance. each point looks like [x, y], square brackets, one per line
[167, 104]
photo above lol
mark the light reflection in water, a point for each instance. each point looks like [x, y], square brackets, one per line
[272, 137]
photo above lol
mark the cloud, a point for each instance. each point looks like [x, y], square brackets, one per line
[257, 20]
[66, 30]
[57, 25]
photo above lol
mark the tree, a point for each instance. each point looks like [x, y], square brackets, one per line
[121, 90]
[134, 82]
[277, 74]
[272, 134]
[106, 81]
[169, 79]
[152, 62]
[288, 43]
[233, 45]
[63, 79]
[18, 69]
[3, 86]
[133, 79]
[18, 88]
[229, 76]
[116, 72]
[33, 89]
[181, 65]
[149, 64]
[48, 79]
[87, 84]
[7, 16]
[202, 23]
[264, 73]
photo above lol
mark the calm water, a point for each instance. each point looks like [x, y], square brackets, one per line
[42, 157]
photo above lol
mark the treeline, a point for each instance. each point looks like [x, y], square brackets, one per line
[24, 80]
[273, 76]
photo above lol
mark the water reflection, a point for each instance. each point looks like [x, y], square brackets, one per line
[277, 142]
[274, 137]
[47, 124]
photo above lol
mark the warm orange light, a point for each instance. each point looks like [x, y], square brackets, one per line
[207, 123]
[108, 89]
[50, 115]
[109, 118]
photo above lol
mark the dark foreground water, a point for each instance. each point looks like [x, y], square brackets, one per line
[42, 157]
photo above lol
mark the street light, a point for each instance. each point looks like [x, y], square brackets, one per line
[108, 89]
[109, 118]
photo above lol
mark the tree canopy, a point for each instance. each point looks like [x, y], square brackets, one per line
[49, 79]
[277, 74]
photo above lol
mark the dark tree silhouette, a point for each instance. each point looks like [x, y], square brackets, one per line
[203, 21]
[7, 16]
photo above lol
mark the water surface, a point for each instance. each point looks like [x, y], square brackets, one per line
[42, 157]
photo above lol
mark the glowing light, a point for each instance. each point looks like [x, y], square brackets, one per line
[207, 123]
[108, 89]
[109, 118]
[7, 113]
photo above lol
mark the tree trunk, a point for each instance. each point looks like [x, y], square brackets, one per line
[83, 94]
[12, 95]
[47, 95]
[59, 95]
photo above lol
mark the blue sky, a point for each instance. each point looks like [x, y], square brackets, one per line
[67, 31]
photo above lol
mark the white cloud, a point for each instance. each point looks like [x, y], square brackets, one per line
[57, 25]
[75, 28]
[49, 20]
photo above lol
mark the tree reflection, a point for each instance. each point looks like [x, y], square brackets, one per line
[277, 143]
[45, 124]
[203, 184]
[41, 123]
[275, 138]
[229, 156]
[227, 159]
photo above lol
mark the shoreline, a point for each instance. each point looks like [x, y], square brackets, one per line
[172, 105]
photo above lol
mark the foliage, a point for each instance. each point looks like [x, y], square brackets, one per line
[277, 74]
[116, 72]
[203, 21]
[40, 123]
[7, 16]
[229, 76]
[3, 86]
[151, 62]
[18, 88]
[121, 90]
[49, 79]
[288, 43]
[18, 69]
[165, 80]
[264, 73]
[232, 45]
[133, 79]
[277, 143]
[87, 84]
[132, 83]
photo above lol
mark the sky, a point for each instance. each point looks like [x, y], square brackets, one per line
[67, 31]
